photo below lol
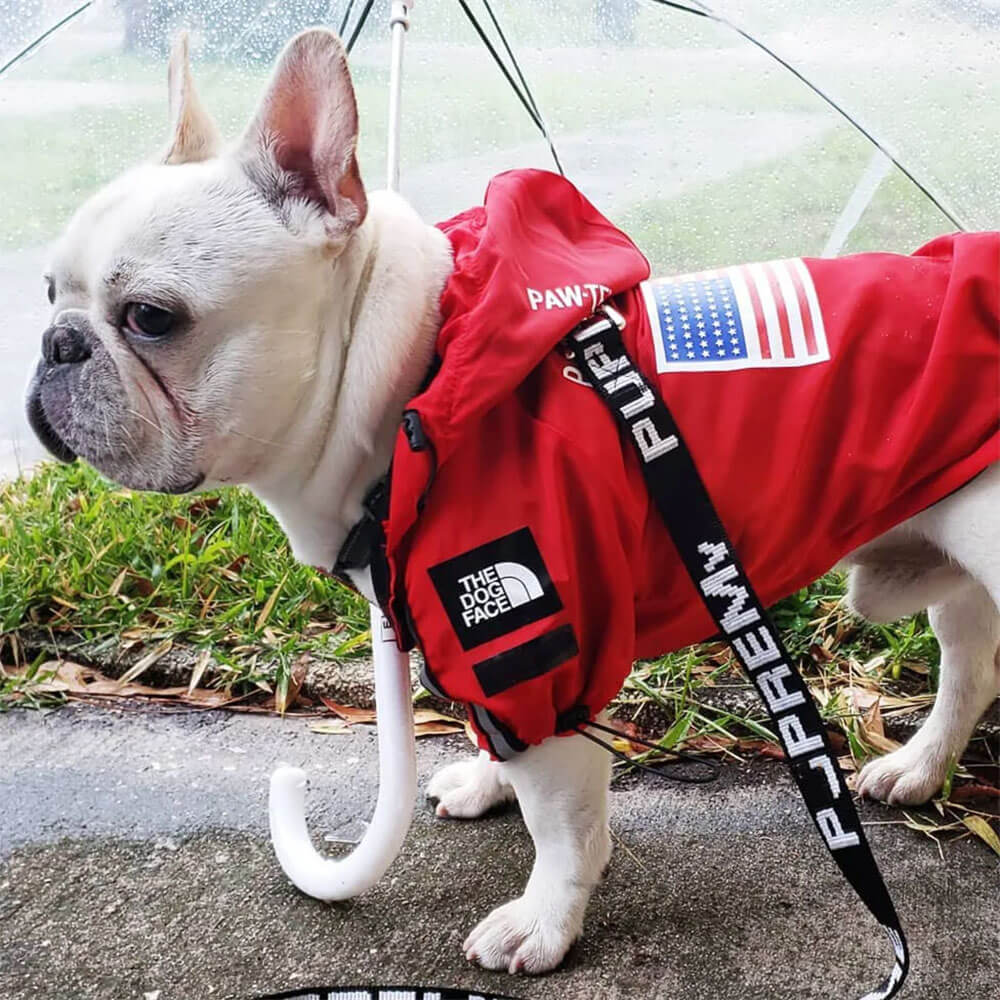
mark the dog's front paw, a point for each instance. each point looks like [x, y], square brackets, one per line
[468, 789]
[905, 777]
[521, 936]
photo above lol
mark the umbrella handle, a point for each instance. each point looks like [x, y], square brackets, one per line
[341, 878]
[326, 878]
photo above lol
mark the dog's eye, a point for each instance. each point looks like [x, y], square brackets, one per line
[147, 320]
[51, 291]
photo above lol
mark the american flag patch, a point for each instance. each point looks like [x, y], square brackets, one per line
[754, 316]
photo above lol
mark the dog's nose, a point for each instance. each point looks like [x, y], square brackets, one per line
[64, 345]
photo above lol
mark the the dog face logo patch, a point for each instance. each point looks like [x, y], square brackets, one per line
[495, 588]
[755, 316]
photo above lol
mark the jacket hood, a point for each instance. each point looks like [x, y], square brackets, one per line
[530, 263]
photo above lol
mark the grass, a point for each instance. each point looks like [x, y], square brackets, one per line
[740, 217]
[834, 649]
[84, 561]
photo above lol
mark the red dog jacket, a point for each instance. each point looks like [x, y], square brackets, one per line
[824, 402]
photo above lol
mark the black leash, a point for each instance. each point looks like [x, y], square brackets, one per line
[683, 502]
[710, 773]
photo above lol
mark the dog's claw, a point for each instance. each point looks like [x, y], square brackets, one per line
[467, 789]
[520, 937]
[905, 777]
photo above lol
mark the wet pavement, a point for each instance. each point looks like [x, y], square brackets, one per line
[134, 858]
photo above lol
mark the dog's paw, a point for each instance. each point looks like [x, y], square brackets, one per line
[468, 789]
[520, 936]
[905, 777]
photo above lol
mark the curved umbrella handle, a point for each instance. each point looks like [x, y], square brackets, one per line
[342, 878]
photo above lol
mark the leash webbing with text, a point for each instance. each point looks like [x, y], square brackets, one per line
[682, 500]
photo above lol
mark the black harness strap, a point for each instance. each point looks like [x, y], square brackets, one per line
[683, 502]
[364, 545]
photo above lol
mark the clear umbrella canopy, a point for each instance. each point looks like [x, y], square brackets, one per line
[700, 145]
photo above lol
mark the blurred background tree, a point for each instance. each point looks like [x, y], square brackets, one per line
[616, 19]
[255, 29]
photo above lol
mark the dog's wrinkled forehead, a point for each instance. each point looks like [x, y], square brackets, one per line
[192, 233]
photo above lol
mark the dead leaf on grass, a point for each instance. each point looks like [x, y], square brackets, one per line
[971, 792]
[426, 716]
[288, 694]
[868, 722]
[77, 681]
[426, 722]
[198, 669]
[146, 661]
[204, 505]
[348, 713]
[142, 586]
[265, 612]
[437, 728]
[331, 727]
[982, 829]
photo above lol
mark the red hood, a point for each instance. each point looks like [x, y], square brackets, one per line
[530, 263]
[535, 231]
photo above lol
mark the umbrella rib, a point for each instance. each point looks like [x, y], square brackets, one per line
[361, 23]
[31, 46]
[346, 18]
[701, 11]
[496, 58]
[528, 101]
[542, 124]
[532, 113]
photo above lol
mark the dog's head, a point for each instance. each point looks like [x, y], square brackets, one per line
[187, 295]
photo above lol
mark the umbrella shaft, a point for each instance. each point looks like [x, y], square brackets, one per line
[399, 22]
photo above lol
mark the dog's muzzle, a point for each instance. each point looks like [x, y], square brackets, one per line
[39, 422]
[62, 345]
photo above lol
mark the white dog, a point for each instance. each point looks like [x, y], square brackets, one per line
[250, 314]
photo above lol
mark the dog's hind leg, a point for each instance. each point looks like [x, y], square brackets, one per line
[968, 628]
[900, 578]
[966, 528]
[469, 788]
[562, 786]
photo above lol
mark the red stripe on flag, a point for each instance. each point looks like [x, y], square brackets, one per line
[807, 323]
[782, 309]
[758, 314]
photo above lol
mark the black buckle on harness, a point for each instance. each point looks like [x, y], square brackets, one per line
[605, 318]
[366, 539]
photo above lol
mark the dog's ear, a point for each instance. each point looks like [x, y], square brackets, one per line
[194, 135]
[307, 125]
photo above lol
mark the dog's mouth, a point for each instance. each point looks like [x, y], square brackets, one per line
[188, 487]
[54, 443]
[44, 430]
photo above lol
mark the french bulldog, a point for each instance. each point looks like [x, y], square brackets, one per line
[249, 313]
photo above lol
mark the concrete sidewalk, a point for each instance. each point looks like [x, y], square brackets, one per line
[135, 859]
